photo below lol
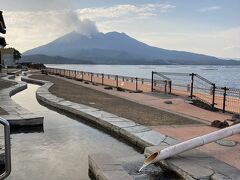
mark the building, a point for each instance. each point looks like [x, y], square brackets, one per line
[9, 56]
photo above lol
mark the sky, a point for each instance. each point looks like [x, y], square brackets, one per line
[209, 27]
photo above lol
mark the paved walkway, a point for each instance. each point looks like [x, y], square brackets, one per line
[139, 113]
[178, 104]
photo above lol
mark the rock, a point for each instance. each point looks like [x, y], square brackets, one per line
[94, 84]
[225, 124]
[120, 89]
[219, 124]
[86, 82]
[136, 91]
[108, 88]
[168, 102]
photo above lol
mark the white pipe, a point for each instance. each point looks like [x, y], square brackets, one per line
[191, 144]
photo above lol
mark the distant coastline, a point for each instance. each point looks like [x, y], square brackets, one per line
[44, 59]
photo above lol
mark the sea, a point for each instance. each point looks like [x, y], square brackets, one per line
[228, 76]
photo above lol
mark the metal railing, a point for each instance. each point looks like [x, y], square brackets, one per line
[198, 87]
[118, 81]
[7, 144]
[184, 84]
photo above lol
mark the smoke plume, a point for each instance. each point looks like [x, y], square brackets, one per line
[83, 26]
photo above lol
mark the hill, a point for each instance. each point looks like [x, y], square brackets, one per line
[118, 48]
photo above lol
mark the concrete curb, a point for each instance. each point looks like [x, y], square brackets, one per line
[189, 165]
[17, 115]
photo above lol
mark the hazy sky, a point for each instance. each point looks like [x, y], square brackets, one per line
[203, 26]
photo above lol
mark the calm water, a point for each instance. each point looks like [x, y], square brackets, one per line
[221, 75]
[61, 150]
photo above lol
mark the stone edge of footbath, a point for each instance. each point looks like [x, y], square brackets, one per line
[17, 115]
[189, 165]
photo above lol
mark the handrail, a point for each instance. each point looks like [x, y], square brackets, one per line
[161, 75]
[7, 145]
[105, 74]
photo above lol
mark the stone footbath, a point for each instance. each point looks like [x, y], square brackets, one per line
[193, 164]
[62, 146]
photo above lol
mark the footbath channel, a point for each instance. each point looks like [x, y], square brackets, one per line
[60, 149]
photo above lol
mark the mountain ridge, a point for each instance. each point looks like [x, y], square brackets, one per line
[119, 48]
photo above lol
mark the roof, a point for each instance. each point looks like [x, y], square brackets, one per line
[2, 24]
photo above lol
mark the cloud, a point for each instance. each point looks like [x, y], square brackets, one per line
[84, 26]
[220, 43]
[211, 8]
[34, 5]
[125, 10]
[29, 29]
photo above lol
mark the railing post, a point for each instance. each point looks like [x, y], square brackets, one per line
[82, 74]
[170, 87]
[165, 88]
[102, 79]
[136, 83]
[116, 78]
[75, 74]
[69, 73]
[91, 76]
[213, 95]
[224, 98]
[192, 78]
[152, 82]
